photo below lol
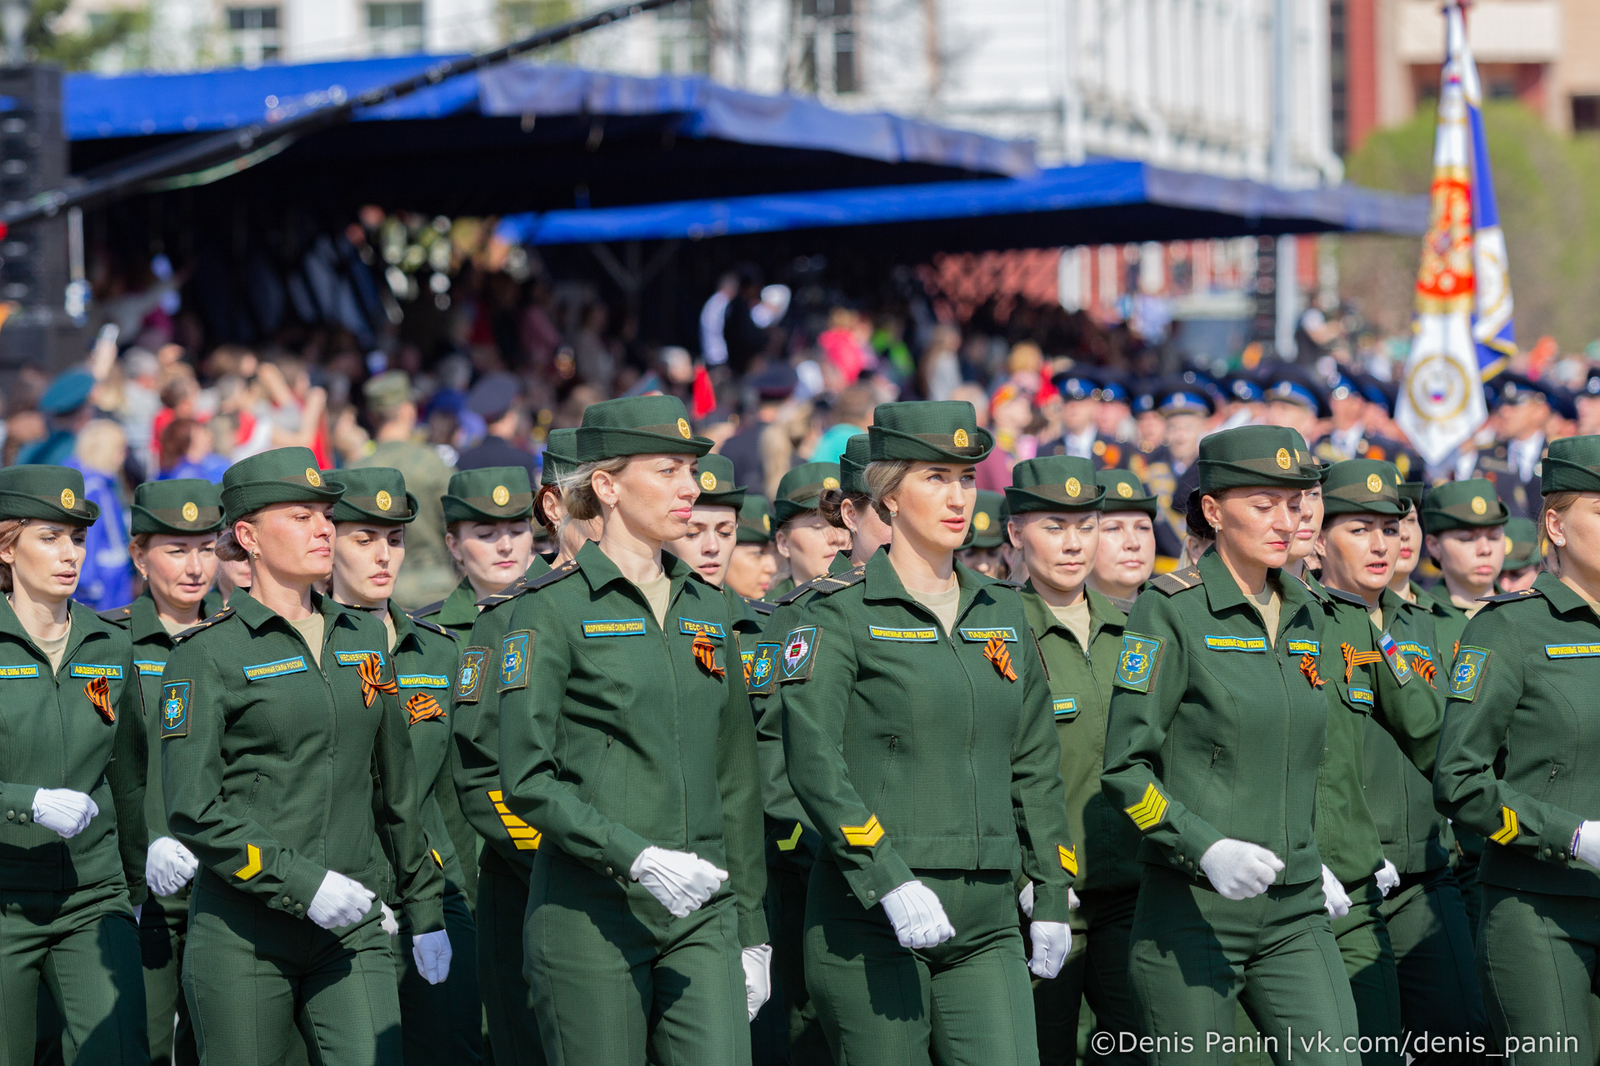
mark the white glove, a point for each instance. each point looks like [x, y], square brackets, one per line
[917, 916]
[168, 866]
[1051, 942]
[1025, 899]
[1388, 878]
[388, 923]
[681, 880]
[340, 902]
[1588, 846]
[431, 952]
[1239, 869]
[63, 810]
[1333, 893]
[1073, 902]
[137, 911]
[757, 963]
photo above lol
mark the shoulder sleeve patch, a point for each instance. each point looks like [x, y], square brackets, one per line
[469, 679]
[1398, 664]
[798, 654]
[763, 667]
[1136, 665]
[514, 651]
[1467, 674]
[1177, 581]
[175, 697]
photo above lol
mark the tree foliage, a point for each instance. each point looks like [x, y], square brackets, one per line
[77, 51]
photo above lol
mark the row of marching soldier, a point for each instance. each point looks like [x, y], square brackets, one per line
[602, 806]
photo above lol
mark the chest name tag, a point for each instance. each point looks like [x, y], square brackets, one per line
[1571, 651]
[261, 672]
[356, 658]
[690, 627]
[904, 636]
[1304, 647]
[1237, 643]
[1411, 649]
[175, 709]
[94, 670]
[983, 636]
[614, 627]
[1362, 696]
[423, 681]
[149, 666]
[1065, 708]
[18, 671]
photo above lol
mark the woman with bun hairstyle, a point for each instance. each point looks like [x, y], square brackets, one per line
[488, 516]
[287, 764]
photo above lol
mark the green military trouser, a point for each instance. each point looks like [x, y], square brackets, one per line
[967, 1002]
[442, 1024]
[1469, 854]
[508, 1007]
[84, 948]
[1195, 956]
[618, 981]
[1097, 970]
[1433, 954]
[1369, 962]
[259, 980]
[1539, 961]
[163, 928]
[787, 1029]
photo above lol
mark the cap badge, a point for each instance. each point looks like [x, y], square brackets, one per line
[190, 512]
[708, 481]
[766, 523]
[1478, 506]
[1074, 486]
[383, 500]
[1374, 483]
[980, 521]
[960, 438]
[1125, 490]
[313, 478]
[830, 482]
[1508, 546]
[501, 496]
[683, 428]
[68, 499]
[1283, 458]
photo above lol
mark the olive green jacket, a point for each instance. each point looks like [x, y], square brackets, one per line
[152, 644]
[1415, 836]
[457, 612]
[512, 843]
[1105, 842]
[276, 771]
[1216, 732]
[616, 736]
[53, 736]
[1383, 689]
[1521, 739]
[911, 749]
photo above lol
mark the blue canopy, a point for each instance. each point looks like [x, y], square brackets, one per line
[1098, 202]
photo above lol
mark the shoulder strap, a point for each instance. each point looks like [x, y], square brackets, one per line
[759, 606]
[1125, 606]
[824, 585]
[222, 615]
[1347, 597]
[432, 608]
[1175, 582]
[530, 584]
[1507, 597]
[118, 616]
[434, 626]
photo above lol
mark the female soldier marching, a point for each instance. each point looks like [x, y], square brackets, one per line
[286, 763]
[489, 532]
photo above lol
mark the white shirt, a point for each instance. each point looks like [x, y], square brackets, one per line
[1346, 441]
[1080, 444]
[1524, 454]
[713, 317]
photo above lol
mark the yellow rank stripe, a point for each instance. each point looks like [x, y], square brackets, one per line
[436, 859]
[1150, 809]
[523, 835]
[793, 840]
[1508, 827]
[863, 836]
[1069, 859]
[251, 868]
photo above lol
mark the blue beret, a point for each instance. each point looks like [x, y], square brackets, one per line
[67, 393]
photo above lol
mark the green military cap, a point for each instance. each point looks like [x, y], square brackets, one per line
[755, 521]
[930, 431]
[560, 455]
[1572, 464]
[1469, 504]
[374, 494]
[282, 475]
[801, 489]
[988, 528]
[1054, 483]
[1255, 457]
[716, 483]
[389, 389]
[183, 507]
[637, 425]
[1522, 545]
[1124, 492]
[489, 494]
[52, 493]
[857, 454]
[1362, 486]
[1411, 491]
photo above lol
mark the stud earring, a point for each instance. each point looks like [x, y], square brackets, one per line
[1561, 543]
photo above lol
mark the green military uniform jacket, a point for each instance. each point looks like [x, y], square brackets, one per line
[1215, 731]
[1415, 836]
[912, 749]
[1450, 622]
[275, 770]
[1521, 738]
[1383, 689]
[456, 612]
[512, 843]
[1105, 842]
[615, 735]
[152, 645]
[53, 735]
[749, 618]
